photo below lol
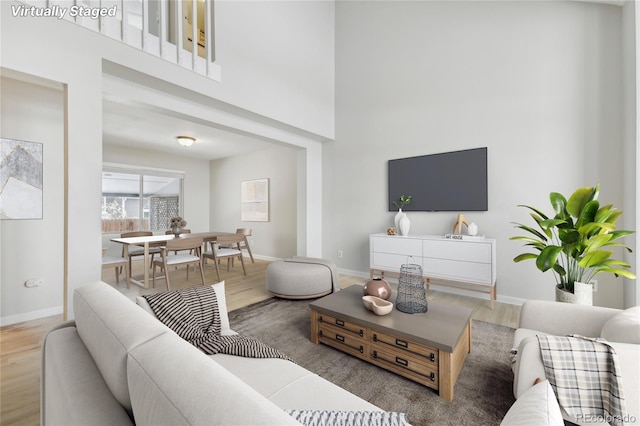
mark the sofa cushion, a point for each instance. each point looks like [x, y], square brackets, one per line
[222, 307]
[537, 406]
[109, 325]
[173, 383]
[70, 378]
[290, 386]
[623, 327]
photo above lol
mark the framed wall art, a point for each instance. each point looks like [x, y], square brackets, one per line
[254, 196]
[20, 179]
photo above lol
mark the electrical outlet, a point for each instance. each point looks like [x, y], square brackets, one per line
[339, 254]
[595, 285]
[34, 283]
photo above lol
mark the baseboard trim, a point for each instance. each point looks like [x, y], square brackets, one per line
[30, 316]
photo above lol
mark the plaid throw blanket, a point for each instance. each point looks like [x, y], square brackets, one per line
[193, 314]
[585, 377]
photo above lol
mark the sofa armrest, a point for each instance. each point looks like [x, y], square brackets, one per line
[564, 318]
[528, 367]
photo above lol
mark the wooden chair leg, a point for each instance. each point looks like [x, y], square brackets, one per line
[215, 261]
[166, 276]
[117, 275]
[127, 276]
[246, 243]
[242, 261]
[201, 273]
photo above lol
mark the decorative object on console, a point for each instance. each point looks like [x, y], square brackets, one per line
[461, 220]
[391, 231]
[405, 224]
[176, 224]
[402, 201]
[377, 287]
[472, 229]
[571, 243]
[412, 293]
[377, 305]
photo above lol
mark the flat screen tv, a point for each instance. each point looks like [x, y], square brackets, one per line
[449, 181]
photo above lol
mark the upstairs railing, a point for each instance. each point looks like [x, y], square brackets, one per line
[164, 28]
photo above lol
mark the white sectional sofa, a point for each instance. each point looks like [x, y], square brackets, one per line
[115, 365]
[620, 328]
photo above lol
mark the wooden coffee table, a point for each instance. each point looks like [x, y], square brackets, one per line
[428, 348]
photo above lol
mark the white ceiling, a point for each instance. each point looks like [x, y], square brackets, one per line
[136, 125]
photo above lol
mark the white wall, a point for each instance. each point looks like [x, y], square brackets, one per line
[538, 83]
[34, 243]
[296, 53]
[277, 237]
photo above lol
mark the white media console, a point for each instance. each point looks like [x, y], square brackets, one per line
[466, 264]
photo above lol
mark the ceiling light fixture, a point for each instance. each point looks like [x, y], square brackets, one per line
[186, 140]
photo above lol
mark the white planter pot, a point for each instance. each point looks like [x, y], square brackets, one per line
[582, 294]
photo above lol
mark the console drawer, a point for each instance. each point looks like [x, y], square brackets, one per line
[407, 366]
[343, 341]
[354, 329]
[427, 355]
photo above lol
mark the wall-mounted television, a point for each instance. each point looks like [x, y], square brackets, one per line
[449, 181]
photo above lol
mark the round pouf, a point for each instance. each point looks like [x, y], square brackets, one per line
[293, 280]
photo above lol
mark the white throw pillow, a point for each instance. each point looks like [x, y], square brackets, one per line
[222, 306]
[623, 327]
[537, 406]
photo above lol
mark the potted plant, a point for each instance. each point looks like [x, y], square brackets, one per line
[402, 201]
[176, 224]
[572, 243]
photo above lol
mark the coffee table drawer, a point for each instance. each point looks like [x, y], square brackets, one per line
[407, 366]
[343, 341]
[355, 329]
[427, 354]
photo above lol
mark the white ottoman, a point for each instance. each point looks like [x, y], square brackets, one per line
[298, 280]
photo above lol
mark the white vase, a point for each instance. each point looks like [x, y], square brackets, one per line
[397, 218]
[404, 225]
[582, 294]
[472, 229]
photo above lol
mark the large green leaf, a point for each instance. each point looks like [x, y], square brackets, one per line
[593, 228]
[594, 258]
[532, 231]
[618, 272]
[540, 213]
[568, 236]
[579, 199]
[548, 257]
[558, 202]
[550, 223]
[588, 213]
[596, 242]
[525, 256]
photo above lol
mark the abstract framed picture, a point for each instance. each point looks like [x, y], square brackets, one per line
[254, 196]
[20, 179]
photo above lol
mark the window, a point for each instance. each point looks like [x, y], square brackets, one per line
[139, 200]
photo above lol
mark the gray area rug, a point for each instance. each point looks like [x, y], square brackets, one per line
[482, 394]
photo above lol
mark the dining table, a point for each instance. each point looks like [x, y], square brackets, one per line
[157, 240]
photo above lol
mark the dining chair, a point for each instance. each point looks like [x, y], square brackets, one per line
[245, 243]
[117, 263]
[137, 250]
[184, 231]
[225, 247]
[174, 259]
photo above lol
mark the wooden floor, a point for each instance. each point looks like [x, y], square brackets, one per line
[20, 343]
